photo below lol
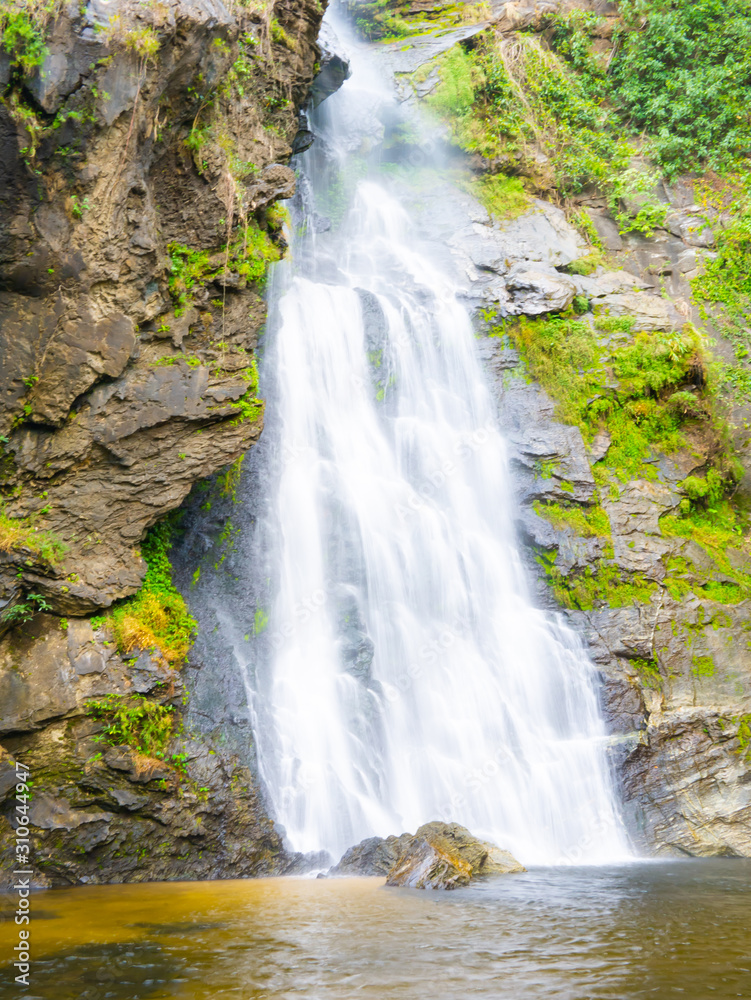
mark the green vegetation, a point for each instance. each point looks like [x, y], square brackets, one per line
[723, 291]
[635, 385]
[24, 611]
[508, 100]
[23, 28]
[144, 726]
[683, 75]
[143, 41]
[605, 584]
[743, 722]
[649, 672]
[18, 534]
[702, 666]
[390, 20]
[249, 406]
[229, 480]
[679, 74]
[648, 391]
[503, 197]
[260, 621]
[720, 529]
[376, 21]
[589, 522]
[156, 618]
[280, 36]
[249, 255]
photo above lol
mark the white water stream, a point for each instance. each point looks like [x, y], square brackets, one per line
[409, 678]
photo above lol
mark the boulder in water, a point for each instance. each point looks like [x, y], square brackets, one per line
[374, 856]
[438, 856]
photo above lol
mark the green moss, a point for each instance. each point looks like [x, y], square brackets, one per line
[702, 666]
[249, 254]
[626, 386]
[590, 522]
[249, 407]
[21, 534]
[260, 621]
[379, 20]
[504, 197]
[229, 480]
[649, 672]
[601, 585]
[743, 722]
[714, 523]
[139, 723]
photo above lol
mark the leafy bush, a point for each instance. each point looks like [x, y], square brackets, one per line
[683, 75]
[143, 725]
[509, 100]
[23, 32]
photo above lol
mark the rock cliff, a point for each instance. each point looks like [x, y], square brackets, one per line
[143, 149]
[646, 560]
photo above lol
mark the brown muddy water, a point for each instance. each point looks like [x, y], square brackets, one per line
[659, 930]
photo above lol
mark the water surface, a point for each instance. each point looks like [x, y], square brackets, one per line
[641, 930]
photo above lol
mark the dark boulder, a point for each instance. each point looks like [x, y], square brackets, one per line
[438, 856]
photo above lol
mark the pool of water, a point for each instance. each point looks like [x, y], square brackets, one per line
[643, 930]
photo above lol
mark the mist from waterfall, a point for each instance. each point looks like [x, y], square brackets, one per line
[404, 674]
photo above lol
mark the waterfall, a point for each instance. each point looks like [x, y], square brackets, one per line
[404, 674]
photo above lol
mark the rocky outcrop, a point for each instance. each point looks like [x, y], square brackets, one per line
[374, 856]
[143, 154]
[113, 813]
[438, 856]
[676, 673]
[140, 164]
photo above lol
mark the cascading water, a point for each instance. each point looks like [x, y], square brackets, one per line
[404, 675]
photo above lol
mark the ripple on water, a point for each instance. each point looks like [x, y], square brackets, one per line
[642, 930]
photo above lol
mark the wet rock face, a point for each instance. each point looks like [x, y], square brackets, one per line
[102, 813]
[114, 398]
[374, 856]
[438, 856]
[122, 383]
[676, 674]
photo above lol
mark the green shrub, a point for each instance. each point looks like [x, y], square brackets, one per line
[683, 75]
[144, 726]
[156, 618]
[23, 32]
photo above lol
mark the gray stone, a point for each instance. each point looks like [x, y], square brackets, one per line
[334, 64]
[447, 856]
[692, 229]
[8, 777]
[374, 856]
[607, 230]
[540, 289]
[649, 311]
[50, 813]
